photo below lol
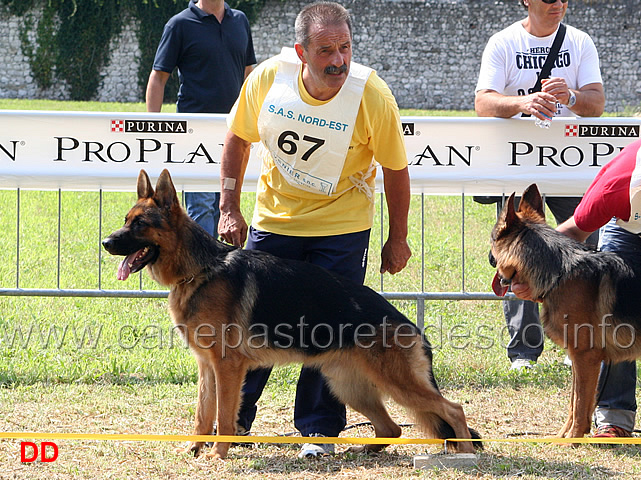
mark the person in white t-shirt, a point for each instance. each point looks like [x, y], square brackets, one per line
[510, 66]
[513, 58]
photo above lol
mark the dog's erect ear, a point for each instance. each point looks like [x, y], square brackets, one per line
[510, 212]
[165, 191]
[145, 190]
[531, 202]
[507, 219]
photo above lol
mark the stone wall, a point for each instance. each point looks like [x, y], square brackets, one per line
[428, 51]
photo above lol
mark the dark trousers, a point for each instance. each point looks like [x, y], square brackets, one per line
[316, 409]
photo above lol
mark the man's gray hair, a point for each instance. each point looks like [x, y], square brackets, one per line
[320, 13]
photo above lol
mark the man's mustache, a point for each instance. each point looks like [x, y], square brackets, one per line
[332, 70]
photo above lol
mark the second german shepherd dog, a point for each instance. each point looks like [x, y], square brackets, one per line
[239, 309]
[591, 300]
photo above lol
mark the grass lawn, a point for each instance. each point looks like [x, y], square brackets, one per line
[100, 365]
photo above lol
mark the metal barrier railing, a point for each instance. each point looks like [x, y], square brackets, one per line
[419, 297]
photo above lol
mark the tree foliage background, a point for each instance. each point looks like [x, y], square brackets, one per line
[69, 39]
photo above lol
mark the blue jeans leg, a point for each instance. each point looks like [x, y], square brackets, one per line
[616, 403]
[204, 208]
[524, 326]
[316, 409]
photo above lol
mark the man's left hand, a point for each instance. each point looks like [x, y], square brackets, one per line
[557, 87]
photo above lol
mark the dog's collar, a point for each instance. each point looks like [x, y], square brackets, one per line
[186, 280]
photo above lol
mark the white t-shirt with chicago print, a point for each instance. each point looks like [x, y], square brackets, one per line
[513, 58]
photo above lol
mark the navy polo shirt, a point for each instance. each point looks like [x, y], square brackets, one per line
[210, 56]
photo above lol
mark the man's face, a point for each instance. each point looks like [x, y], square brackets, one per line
[551, 13]
[326, 60]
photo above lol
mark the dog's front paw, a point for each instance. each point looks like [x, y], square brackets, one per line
[193, 448]
[365, 449]
[218, 452]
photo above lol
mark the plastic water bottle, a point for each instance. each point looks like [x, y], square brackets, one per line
[543, 123]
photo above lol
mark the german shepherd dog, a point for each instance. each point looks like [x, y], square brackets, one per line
[240, 309]
[591, 300]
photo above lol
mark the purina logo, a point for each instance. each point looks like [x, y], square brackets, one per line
[149, 126]
[616, 131]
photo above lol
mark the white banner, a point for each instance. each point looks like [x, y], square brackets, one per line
[447, 155]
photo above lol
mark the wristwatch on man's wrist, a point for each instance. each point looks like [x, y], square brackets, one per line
[572, 99]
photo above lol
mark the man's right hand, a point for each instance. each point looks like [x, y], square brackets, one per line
[232, 228]
[541, 105]
[522, 290]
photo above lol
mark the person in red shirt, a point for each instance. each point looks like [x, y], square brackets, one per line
[607, 205]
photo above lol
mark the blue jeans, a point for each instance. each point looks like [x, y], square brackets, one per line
[316, 410]
[616, 401]
[204, 208]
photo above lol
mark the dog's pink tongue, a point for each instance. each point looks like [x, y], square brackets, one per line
[123, 269]
[499, 289]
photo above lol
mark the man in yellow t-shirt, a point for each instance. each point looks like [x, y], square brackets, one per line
[321, 119]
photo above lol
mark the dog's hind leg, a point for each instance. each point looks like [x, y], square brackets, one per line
[407, 378]
[440, 418]
[206, 404]
[356, 390]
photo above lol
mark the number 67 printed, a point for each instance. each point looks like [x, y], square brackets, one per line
[287, 142]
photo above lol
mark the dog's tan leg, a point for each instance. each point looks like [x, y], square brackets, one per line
[230, 375]
[585, 373]
[563, 433]
[436, 409]
[206, 404]
[357, 391]
[585, 349]
[408, 383]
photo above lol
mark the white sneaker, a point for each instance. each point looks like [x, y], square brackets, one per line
[522, 364]
[313, 450]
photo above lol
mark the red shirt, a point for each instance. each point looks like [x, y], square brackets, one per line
[609, 194]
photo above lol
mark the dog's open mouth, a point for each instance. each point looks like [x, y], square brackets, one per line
[136, 261]
[500, 285]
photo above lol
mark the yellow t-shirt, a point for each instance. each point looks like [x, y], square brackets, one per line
[284, 209]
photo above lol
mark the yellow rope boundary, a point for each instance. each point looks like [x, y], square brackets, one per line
[129, 437]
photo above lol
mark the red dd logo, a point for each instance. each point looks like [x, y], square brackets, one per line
[29, 452]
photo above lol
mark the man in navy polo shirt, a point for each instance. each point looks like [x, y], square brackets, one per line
[211, 45]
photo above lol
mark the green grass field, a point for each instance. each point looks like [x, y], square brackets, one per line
[116, 340]
[117, 366]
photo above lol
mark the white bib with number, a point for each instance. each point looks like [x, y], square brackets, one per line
[634, 223]
[308, 143]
